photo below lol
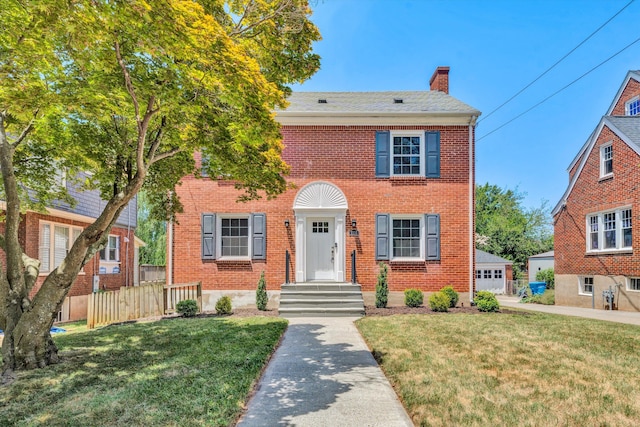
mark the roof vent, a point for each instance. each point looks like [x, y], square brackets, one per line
[397, 100]
[322, 101]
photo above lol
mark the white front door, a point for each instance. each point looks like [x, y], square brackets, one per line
[321, 249]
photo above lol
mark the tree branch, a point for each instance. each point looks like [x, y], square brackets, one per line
[31, 271]
[127, 81]
[244, 15]
[25, 131]
[238, 31]
[164, 155]
[156, 141]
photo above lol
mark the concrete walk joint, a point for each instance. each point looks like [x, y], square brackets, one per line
[324, 374]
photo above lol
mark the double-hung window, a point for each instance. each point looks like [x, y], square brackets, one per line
[234, 236]
[606, 160]
[610, 231]
[111, 252]
[586, 285]
[407, 154]
[632, 106]
[406, 240]
[633, 284]
[408, 237]
[55, 242]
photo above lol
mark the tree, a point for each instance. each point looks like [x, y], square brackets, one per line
[507, 229]
[153, 232]
[129, 91]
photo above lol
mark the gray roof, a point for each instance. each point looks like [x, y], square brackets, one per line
[377, 102]
[628, 125]
[549, 254]
[483, 257]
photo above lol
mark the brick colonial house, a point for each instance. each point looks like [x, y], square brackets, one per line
[389, 175]
[49, 236]
[595, 245]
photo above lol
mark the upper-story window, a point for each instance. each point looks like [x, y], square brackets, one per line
[606, 160]
[610, 231]
[407, 154]
[632, 106]
[55, 242]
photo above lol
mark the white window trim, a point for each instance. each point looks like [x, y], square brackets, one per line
[627, 105]
[410, 133]
[219, 218]
[629, 284]
[602, 160]
[422, 237]
[52, 226]
[581, 290]
[618, 229]
[106, 251]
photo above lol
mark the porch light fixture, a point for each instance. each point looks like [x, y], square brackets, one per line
[286, 223]
[353, 223]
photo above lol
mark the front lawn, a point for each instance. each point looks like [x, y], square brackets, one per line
[180, 372]
[528, 369]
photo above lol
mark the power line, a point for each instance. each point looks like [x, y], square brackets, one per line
[557, 62]
[563, 88]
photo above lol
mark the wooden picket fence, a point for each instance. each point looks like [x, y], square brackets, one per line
[138, 302]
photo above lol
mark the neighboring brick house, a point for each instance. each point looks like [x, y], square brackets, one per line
[49, 236]
[389, 175]
[595, 245]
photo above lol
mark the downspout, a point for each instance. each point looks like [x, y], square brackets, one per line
[472, 185]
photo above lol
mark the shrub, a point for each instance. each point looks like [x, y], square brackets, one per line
[452, 294]
[187, 308]
[486, 301]
[223, 305]
[382, 287]
[439, 301]
[261, 293]
[413, 297]
[547, 298]
[546, 276]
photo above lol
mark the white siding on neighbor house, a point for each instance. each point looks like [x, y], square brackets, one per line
[539, 264]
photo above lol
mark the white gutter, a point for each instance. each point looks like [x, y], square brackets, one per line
[169, 273]
[472, 189]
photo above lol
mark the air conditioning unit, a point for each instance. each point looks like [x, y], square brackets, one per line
[96, 283]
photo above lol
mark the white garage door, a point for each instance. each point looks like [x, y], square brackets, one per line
[490, 279]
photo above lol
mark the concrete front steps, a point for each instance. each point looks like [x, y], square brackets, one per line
[321, 299]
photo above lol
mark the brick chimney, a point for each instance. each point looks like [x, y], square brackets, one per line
[440, 80]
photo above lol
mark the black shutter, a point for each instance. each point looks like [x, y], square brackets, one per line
[259, 236]
[382, 236]
[432, 238]
[432, 154]
[208, 236]
[383, 153]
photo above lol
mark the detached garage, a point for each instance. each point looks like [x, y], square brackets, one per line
[492, 272]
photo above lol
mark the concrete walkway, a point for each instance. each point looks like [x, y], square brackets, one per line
[632, 318]
[323, 374]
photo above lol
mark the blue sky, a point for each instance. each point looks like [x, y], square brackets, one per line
[494, 49]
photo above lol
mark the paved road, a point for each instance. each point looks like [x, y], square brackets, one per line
[632, 318]
[323, 374]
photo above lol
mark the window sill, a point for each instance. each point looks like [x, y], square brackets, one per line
[626, 251]
[407, 261]
[585, 294]
[605, 178]
[233, 260]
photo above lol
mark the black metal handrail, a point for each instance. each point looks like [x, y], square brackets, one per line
[354, 275]
[287, 259]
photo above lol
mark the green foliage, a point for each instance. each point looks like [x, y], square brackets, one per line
[486, 301]
[452, 294]
[382, 287]
[439, 301]
[507, 229]
[187, 308]
[223, 305]
[546, 276]
[152, 231]
[261, 293]
[547, 298]
[413, 297]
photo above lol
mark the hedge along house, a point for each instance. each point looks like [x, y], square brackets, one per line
[387, 176]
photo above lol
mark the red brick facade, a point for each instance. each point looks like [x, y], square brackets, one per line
[592, 194]
[345, 157]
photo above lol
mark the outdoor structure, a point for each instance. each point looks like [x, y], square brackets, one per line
[492, 272]
[379, 177]
[539, 262]
[49, 236]
[596, 248]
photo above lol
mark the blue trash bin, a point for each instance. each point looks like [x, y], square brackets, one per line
[537, 288]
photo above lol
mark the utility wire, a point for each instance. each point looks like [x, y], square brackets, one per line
[560, 90]
[557, 62]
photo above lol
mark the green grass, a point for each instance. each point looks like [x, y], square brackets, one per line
[182, 372]
[528, 369]
[547, 298]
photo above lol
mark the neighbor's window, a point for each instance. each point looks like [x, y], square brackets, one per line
[632, 107]
[55, 242]
[111, 251]
[234, 239]
[497, 274]
[487, 274]
[478, 274]
[587, 285]
[406, 238]
[606, 160]
[633, 284]
[610, 231]
[407, 153]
